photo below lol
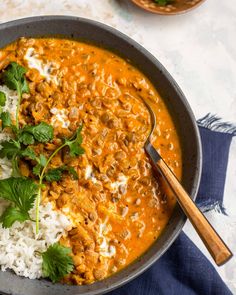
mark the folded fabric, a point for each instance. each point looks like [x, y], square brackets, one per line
[183, 269]
[215, 151]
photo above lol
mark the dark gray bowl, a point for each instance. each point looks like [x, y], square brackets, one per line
[109, 38]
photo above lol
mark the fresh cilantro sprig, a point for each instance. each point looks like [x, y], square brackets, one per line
[6, 120]
[21, 192]
[75, 149]
[74, 143]
[40, 133]
[2, 100]
[16, 148]
[10, 149]
[56, 173]
[14, 78]
[57, 262]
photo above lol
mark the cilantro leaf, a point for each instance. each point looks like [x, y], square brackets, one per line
[12, 150]
[2, 99]
[75, 149]
[14, 78]
[9, 149]
[72, 172]
[26, 138]
[53, 174]
[37, 170]
[21, 191]
[12, 214]
[41, 133]
[15, 168]
[56, 173]
[56, 262]
[29, 153]
[42, 161]
[74, 144]
[6, 119]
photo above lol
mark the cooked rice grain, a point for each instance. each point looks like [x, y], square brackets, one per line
[19, 245]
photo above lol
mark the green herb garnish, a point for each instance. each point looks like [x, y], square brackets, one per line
[57, 262]
[10, 149]
[14, 149]
[56, 173]
[41, 133]
[6, 119]
[74, 144]
[14, 78]
[163, 2]
[72, 172]
[22, 193]
[2, 99]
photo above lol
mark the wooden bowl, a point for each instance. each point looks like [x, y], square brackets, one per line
[177, 7]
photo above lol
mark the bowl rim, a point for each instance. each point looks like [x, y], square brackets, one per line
[148, 263]
[169, 13]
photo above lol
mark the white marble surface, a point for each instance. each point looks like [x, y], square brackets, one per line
[198, 49]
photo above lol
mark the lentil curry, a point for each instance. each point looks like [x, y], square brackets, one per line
[117, 207]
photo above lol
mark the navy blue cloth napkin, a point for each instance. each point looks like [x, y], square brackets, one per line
[183, 269]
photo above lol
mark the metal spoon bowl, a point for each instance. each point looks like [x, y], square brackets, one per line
[215, 245]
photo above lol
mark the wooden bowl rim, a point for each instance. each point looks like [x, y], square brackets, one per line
[168, 13]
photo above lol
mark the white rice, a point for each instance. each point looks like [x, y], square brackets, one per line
[11, 100]
[10, 106]
[19, 245]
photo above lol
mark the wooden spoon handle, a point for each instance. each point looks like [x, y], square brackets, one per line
[215, 245]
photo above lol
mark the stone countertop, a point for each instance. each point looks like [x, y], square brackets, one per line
[197, 48]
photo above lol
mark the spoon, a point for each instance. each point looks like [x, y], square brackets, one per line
[175, 7]
[215, 245]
